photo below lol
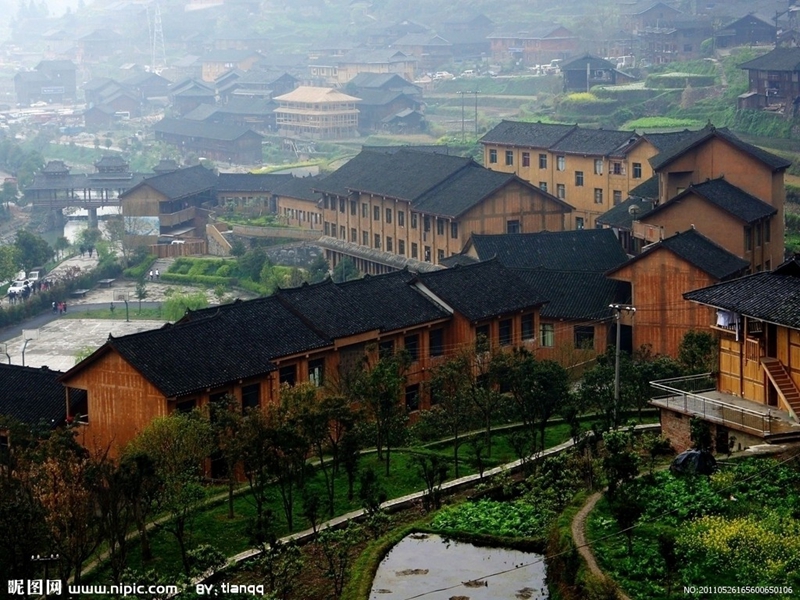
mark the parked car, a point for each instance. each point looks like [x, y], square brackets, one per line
[18, 287]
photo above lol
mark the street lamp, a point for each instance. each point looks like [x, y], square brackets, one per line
[618, 308]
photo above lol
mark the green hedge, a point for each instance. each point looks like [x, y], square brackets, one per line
[586, 104]
[190, 278]
[679, 80]
[139, 271]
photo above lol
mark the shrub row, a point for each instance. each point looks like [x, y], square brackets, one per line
[679, 80]
[139, 271]
[211, 280]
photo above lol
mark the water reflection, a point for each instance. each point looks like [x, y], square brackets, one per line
[424, 563]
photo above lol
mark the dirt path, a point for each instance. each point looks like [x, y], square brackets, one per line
[579, 536]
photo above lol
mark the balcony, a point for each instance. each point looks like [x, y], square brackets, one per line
[696, 396]
[176, 218]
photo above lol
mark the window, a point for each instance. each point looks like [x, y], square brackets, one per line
[401, 218]
[454, 230]
[436, 342]
[251, 396]
[637, 170]
[543, 186]
[287, 375]
[412, 397]
[584, 337]
[426, 223]
[579, 178]
[411, 344]
[616, 168]
[509, 157]
[482, 339]
[413, 220]
[492, 157]
[527, 328]
[598, 196]
[364, 210]
[353, 207]
[512, 226]
[439, 226]
[427, 256]
[186, 406]
[748, 238]
[341, 205]
[327, 228]
[316, 371]
[386, 349]
[378, 241]
[401, 247]
[342, 232]
[324, 203]
[598, 166]
[365, 238]
[526, 159]
[354, 235]
[543, 161]
[414, 251]
[388, 215]
[578, 222]
[758, 235]
[561, 163]
[439, 256]
[561, 190]
[376, 213]
[506, 332]
[617, 197]
[389, 244]
[767, 233]
[547, 335]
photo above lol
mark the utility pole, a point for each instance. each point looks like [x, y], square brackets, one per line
[618, 308]
[476, 92]
[463, 133]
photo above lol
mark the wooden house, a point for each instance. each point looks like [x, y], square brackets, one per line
[147, 85]
[591, 169]
[649, 13]
[171, 204]
[659, 276]
[297, 335]
[219, 142]
[217, 62]
[297, 204]
[679, 41]
[393, 204]
[530, 45]
[317, 113]
[774, 79]
[249, 191]
[748, 30]
[729, 190]
[52, 81]
[568, 269]
[430, 50]
[754, 396]
[35, 397]
[188, 94]
[388, 60]
[582, 73]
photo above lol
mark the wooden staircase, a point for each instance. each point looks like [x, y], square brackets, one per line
[787, 389]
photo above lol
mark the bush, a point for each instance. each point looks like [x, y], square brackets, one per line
[489, 517]
[585, 103]
[211, 280]
[139, 270]
[175, 306]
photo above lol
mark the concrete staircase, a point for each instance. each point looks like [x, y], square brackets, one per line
[787, 389]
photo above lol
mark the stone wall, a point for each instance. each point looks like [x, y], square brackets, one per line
[677, 427]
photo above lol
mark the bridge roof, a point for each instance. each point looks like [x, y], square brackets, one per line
[65, 182]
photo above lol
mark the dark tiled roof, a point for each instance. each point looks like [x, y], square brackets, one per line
[432, 148]
[647, 189]
[251, 182]
[533, 135]
[482, 290]
[379, 81]
[383, 303]
[665, 141]
[244, 105]
[462, 191]
[98, 83]
[180, 183]
[217, 345]
[301, 188]
[593, 141]
[623, 215]
[595, 62]
[771, 160]
[34, 396]
[404, 174]
[594, 250]
[778, 59]
[771, 297]
[457, 260]
[575, 294]
[111, 160]
[373, 97]
[699, 251]
[726, 196]
[199, 129]
[228, 56]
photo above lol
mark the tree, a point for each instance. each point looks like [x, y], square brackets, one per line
[345, 270]
[238, 249]
[60, 245]
[176, 306]
[177, 444]
[378, 388]
[318, 269]
[698, 352]
[141, 292]
[621, 463]
[90, 236]
[32, 250]
[257, 446]
[226, 421]
[252, 262]
[115, 231]
[9, 262]
[8, 193]
[627, 507]
[432, 468]
[336, 553]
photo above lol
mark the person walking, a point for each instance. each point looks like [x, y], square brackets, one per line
[54, 307]
[158, 275]
[151, 274]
